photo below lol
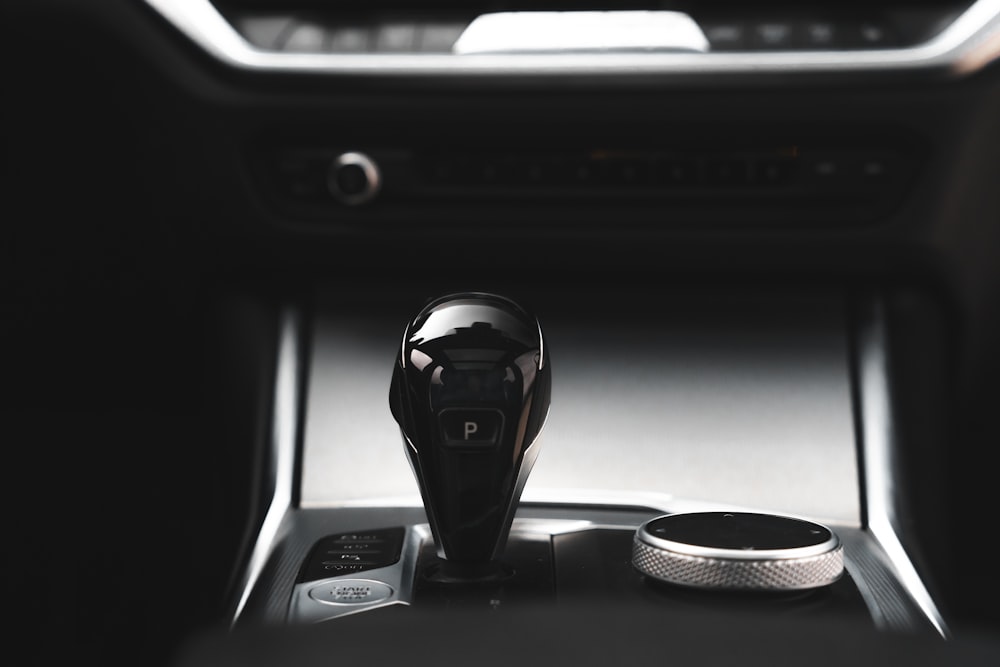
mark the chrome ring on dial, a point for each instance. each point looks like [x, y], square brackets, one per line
[738, 551]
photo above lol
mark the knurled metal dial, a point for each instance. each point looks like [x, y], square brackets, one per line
[738, 551]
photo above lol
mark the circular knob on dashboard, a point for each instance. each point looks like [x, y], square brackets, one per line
[738, 551]
[353, 178]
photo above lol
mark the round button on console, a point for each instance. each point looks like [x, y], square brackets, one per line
[351, 591]
[353, 178]
[738, 551]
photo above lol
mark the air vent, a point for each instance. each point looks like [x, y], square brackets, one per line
[406, 27]
[391, 38]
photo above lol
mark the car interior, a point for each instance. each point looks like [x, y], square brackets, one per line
[502, 331]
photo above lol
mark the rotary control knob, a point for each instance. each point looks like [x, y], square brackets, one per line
[739, 551]
[354, 178]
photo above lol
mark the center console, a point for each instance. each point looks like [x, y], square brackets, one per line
[414, 501]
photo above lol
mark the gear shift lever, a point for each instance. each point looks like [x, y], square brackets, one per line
[470, 391]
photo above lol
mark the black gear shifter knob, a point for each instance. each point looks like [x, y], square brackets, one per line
[470, 390]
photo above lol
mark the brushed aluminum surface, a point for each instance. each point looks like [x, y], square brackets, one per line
[753, 563]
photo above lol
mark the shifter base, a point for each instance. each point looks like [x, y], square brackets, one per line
[562, 560]
[446, 572]
[523, 575]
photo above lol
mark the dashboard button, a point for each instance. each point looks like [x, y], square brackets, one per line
[827, 171]
[350, 39]
[675, 172]
[306, 38]
[264, 32]
[351, 591]
[624, 171]
[774, 171]
[352, 553]
[772, 35]
[873, 33]
[439, 37]
[396, 38]
[726, 36]
[726, 172]
[820, 35]
[354, 178]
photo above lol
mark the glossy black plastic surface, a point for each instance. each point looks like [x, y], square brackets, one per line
[740, 531]
[470, 390]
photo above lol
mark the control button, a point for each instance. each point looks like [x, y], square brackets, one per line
[525, 170]
[675, 172]
[826, 170]
[478, 170]
[264, 32]
[819, 35]
[772, 35]
[774, 171]
[728, 36]
[299, 175]
[333, 569]
[353, 178]
[306, 38]
[354, 547]
[440, 170]
[396, 38]
[367, 553]
[352, 553]
[359, 538]
[350, 559]
[533, 172]
[439, 37]
[726, 172]
[582, 172]
[553, 170]
[350, 39]
[873, 34]
[464, 427]
[624, 172]
[876, 170]
[351, 591]
[870, 34]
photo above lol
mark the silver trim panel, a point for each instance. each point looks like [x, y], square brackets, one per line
[878, 445]
[970, 43]
[399, 578]
[281, 464]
